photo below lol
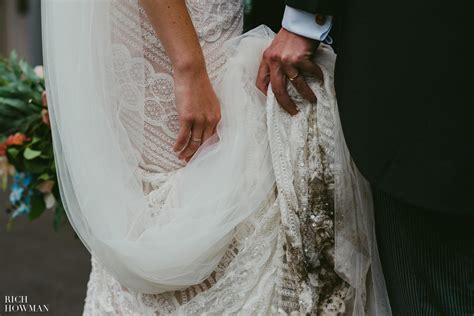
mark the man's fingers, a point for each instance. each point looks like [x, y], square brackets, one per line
[263, 77]
[299, 83]
[183, 135]
[312, 69]
[194, 141]
[303, 88]
[279, 88]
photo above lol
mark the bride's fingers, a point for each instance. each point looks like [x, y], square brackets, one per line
[183, 135]
[194, 141]
[299, 83]
[208, 132]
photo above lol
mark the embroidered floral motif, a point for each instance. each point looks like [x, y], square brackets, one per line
[281, 258]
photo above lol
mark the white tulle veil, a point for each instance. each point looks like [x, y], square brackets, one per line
[356, 253]
[98, 164]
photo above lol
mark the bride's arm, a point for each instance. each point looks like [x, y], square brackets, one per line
[196, 101]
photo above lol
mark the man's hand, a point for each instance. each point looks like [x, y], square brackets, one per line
[288, 57]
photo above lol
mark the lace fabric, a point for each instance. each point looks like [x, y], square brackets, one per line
[271, 239]
[281, 260]
[215, 23]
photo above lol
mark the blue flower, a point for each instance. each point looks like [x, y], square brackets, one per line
[21, 210]
[15, 185]
[15, 194]
[17, 177]
[20, 185]
[21, 178]
[27, 180]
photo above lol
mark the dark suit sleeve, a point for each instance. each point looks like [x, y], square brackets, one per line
[315, 6]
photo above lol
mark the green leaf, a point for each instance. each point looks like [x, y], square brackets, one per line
[58, 216]
[35, 140]
[44, 177]
[13, 152]
[31, 154]
[13, 57]
[14, 103]
[37, 206]
[35, 166]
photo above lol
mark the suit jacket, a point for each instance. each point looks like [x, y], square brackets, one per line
[403, 81]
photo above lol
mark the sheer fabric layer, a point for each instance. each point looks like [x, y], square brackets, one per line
[174, 234]
[237, 245]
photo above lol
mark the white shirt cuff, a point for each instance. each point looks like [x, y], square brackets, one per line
[303, 23]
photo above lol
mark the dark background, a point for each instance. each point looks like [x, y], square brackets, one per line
[48, 267]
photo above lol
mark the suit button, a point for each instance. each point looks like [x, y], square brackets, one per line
[320, 19]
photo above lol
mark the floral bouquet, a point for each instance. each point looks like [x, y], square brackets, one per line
[26, 150]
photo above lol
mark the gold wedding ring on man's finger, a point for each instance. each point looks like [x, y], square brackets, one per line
[196, 140]
[292, 78]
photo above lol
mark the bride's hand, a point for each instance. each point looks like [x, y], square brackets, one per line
[196, 101]
[198, 110]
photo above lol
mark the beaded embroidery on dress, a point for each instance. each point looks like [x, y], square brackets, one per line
[281, 258]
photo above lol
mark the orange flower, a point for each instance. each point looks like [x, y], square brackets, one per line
[17, 139]
[3, 149]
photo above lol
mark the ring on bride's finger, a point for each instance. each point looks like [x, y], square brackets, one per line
[196, 140]
[294, 77]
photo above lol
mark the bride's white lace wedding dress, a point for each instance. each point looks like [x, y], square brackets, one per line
[281, 258]
[254, 277]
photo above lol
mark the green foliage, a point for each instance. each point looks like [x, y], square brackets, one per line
[27, 143]
[20, 95]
